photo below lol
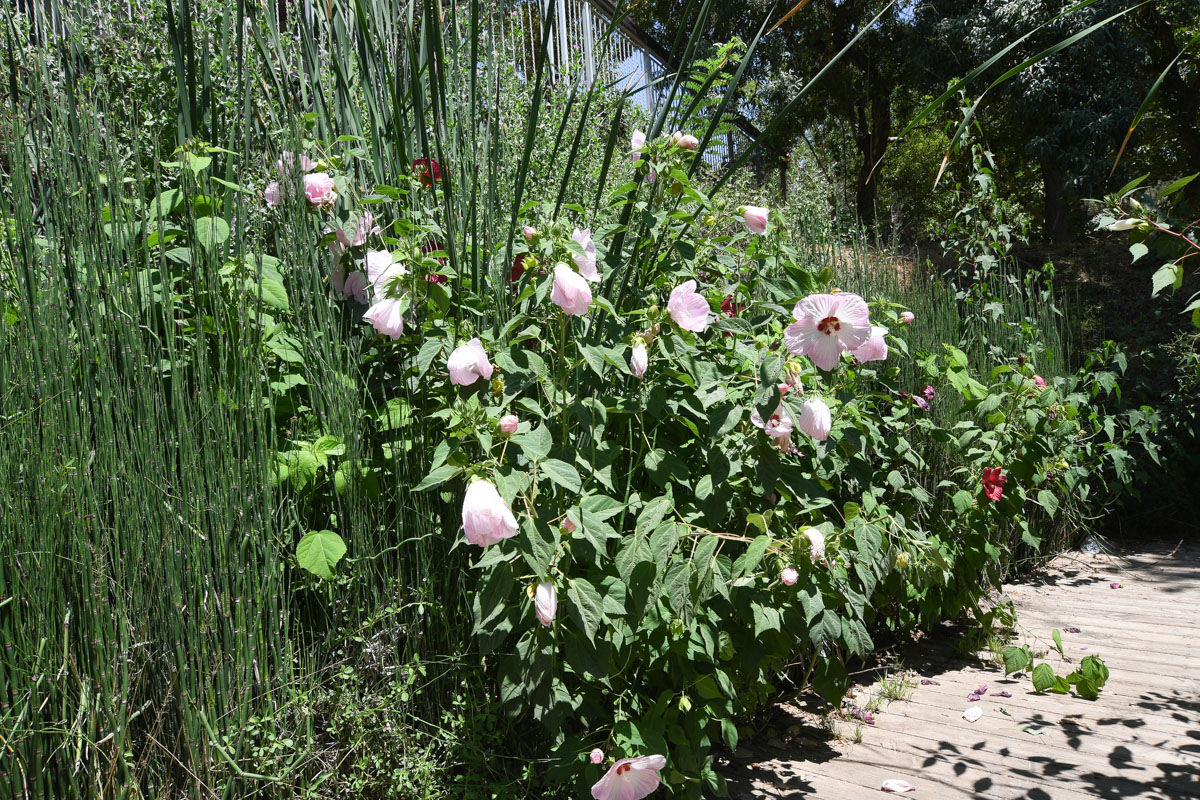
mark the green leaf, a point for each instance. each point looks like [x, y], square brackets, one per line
[766, 397]
[1015, 659]
[490, 605]
[1094, 669]
[536, 443]
[1166, 275]
[1177, 185]
[329, 445]
[601, 506]
[302, 466]
[198, 164]
[437, 477]
[539, 544]
[1057, 637]
[426, 355]
[634, 551]
[729, 733]
[273, 294]
[748, 561]
[165, 202]
[586, 606]
[562, 473]
[830, 680]
[1128, 188]
[1137, 250]
[211, 232]
[1043, 677]
[857, 640]
[652, 514]
[868, 540]
[1048, 501]
[319, 552]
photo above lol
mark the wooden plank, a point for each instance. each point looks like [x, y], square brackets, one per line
[1139, 739]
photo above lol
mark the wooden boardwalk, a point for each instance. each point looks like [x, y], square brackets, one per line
[1140, 739]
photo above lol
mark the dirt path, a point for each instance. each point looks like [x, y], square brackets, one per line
[1139, 739]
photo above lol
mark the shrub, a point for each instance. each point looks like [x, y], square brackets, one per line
[706, 507]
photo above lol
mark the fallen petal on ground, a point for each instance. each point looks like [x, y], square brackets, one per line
[897, 785]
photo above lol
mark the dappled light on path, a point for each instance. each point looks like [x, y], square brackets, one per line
[1139, 739]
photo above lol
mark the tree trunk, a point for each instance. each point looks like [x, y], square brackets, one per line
[871, 138]
[1180, 88]
[1056, 211]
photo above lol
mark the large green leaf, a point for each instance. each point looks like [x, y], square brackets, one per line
[1043, 678]
[586, 606]
[319, 552]
[437, 477]
[561, 473]
[211, 232]
[1015, 659]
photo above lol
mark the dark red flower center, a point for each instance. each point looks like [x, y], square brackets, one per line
[829, 326]
[623, 768]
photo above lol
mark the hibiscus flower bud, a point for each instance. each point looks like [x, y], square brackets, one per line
[570, 291]
[468, 363]
[386, 315]
[508, 424]
[902, 560]
[1127, 224]
[545, 602]
[530, 233]
[1039, 382]
[637, 142]
[793, 373]
[755, 218]
[487, 519]
[271, 194]
[638, 359]
[586, 263]
[816, 543]
[596, 756]
[815, 419]
[907, 317]
[789, 576]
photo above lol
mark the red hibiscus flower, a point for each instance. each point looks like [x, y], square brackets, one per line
[730, 308]
[993, 483]
[430, 170]
[518, 268]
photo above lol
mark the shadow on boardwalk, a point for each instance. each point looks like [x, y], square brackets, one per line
[1139, 739]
